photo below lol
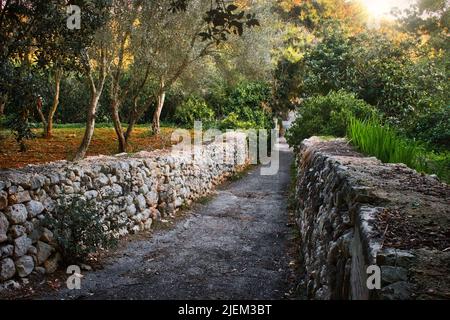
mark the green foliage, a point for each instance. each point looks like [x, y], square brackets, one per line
[383, 142]
[433, 128]
[327, 115]
[232, 122]
[245, 106]
[79, 230]
[193, 109]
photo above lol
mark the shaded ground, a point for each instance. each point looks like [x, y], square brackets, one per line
[65, 142]
[235, 246]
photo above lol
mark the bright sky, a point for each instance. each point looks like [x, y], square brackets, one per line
[382, 8]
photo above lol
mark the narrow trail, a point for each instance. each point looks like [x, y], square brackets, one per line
[233, 247]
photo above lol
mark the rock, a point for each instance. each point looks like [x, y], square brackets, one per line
[32, 251]
[151, 198]
[20, 197]
[51, 265]
[21, 245]
[17, 214]
[4, 225]
[101, 181]
[91, 194]
[2, 185]
[37, 182]
[85, 267]
[44, 251]
[47, 236]
[401, 290]
[3, 200]
[34, 208]
[148, 224]
[131, 210]
[68, 189]
[40, 270]
[391, 274]
[11, 284]
[24, 266]
[395, 257]
[156, 215]
[6, 250]
[7, 269]
[140, 201]
[49, 204]
[29, 226]
[17, 230]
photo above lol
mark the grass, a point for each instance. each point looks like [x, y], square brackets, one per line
[383, 142]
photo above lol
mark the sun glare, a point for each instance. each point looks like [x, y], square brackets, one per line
[382, 8]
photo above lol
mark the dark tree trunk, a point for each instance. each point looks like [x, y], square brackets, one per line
[123, 144]
[51, 113]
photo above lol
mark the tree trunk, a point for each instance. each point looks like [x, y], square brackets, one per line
[90, 126]
[3, 99]
[123, 145]
[156, 129]
[51, 112]
[134, 116]
[41, 115]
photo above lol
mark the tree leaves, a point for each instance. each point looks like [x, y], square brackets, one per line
[222, 20]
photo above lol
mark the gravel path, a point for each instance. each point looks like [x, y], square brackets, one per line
[233, 247]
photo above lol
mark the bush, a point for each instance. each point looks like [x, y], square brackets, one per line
[327, 116]
[243, 106]
[232, 122]
[193, 109]
[79, 230]
[433, 128]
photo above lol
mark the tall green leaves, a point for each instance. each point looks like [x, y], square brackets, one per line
[383, 142]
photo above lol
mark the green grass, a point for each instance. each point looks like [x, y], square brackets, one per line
[383, 142]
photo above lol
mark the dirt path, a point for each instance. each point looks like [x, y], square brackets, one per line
[233, 247]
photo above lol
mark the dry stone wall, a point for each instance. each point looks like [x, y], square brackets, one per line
[342, 198]
[132, 190]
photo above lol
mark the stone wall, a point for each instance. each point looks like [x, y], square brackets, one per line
[132, 190]
[342, 198]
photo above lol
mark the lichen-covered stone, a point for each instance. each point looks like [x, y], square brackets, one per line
[7, 269]
[21, 245]
[44, 251]
[34, 208]
[17, 213]
[24, 266]
[4, 225]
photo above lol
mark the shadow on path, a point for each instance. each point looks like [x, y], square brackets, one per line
[233, 247]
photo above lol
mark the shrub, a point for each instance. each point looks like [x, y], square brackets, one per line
[232, 122]
[243, 106]
[433, 128]
[79, 230]
[193, 109]
[327, 116]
